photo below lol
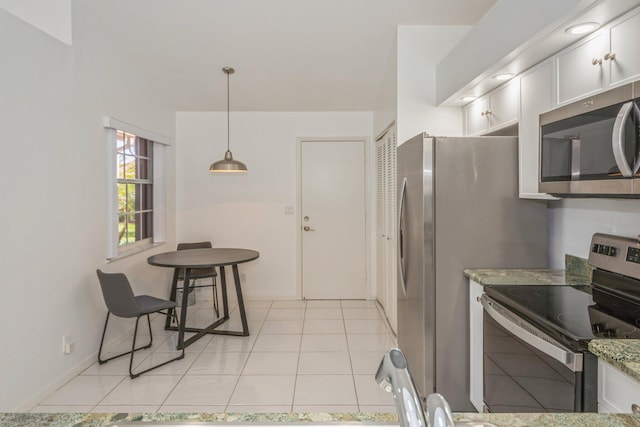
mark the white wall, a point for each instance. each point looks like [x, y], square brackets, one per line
[387, 100]
[51, 16]
[572, 222]
[249, 210]
[53, 216]
[420, 48]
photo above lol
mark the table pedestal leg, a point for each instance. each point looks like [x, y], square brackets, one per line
[211, 329]
[172, 296]
[225, 299]
[183, 311]
[243, 314]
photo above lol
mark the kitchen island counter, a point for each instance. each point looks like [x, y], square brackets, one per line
[500, 420]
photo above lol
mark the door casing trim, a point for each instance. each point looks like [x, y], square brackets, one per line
[369, 289]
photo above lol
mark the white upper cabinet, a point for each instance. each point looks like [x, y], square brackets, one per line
[607, 58]
[494, 111]
[536, 97]
[622, 58]
[504, 103]
[581, 68]
[476, 116]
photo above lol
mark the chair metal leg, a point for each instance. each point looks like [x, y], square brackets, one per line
[104, 331]
[137, 374]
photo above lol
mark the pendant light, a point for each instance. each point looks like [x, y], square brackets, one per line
[227, 164]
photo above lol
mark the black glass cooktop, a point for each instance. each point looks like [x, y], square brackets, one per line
[567, 313]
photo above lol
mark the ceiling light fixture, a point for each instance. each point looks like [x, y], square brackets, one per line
[582, 28]
[468, 98]
[227, 164]
[503, 77]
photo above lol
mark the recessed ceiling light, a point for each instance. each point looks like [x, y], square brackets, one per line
[467, 98]
[582, 28]
[504, 76]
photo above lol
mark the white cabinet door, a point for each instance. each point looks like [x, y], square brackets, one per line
[503, 104]
[624, 36]
[581, 70]
[617, 392]
[476, 117]
[475, 345]
[536, 95]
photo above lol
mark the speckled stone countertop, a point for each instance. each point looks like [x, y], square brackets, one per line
[577, 272]
[623, 354]
[512, 276]
[499, 420]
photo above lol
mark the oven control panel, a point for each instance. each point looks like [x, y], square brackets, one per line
[604, 249]
[633, 255]
[616, 254]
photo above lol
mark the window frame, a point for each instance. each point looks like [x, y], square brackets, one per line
[160, 144]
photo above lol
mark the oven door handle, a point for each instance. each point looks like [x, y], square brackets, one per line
[531, 335]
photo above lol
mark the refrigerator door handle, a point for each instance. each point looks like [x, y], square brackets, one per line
[401, 223]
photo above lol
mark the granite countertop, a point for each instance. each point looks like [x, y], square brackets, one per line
[577, 272]
[500, 420]
[513, 276]
[622, 354]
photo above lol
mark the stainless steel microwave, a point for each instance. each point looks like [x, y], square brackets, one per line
[591, 148]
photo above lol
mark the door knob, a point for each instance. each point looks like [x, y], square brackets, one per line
[307, 228]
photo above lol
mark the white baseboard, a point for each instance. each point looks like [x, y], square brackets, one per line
[85, 363]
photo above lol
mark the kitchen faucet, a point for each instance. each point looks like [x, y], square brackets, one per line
[393, 376]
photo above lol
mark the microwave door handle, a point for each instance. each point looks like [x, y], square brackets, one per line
[401, 237]
[636, 111]
[617, 139]
[522, 330]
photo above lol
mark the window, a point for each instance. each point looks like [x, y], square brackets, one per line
[136, 183]
[134, 160]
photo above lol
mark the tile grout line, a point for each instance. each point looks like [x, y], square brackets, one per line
[235, 386]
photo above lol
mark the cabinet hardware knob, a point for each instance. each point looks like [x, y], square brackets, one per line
[609, 56]
[478, 298]
[485, 113]
[596, 61]
[635, 408]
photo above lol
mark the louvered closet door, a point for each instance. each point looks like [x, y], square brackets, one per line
[386, 223]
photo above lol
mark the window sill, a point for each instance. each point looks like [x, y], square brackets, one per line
[134, 251]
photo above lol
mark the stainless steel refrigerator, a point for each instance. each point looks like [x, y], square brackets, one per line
[459, 208]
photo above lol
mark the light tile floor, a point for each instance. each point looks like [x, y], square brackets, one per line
[301, 356]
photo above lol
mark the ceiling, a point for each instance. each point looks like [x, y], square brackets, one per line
[289, 55]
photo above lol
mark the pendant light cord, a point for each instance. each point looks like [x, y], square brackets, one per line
[228, 126]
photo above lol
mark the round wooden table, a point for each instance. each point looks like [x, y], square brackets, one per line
[189, 259]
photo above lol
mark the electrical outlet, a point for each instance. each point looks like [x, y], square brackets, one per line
[67, 344]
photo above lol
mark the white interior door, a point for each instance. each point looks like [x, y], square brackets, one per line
[333, 219]
[386, 224]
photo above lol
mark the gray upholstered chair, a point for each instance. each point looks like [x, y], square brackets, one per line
[199, 273]
[121, 302]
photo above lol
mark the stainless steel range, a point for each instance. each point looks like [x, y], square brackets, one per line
[536, 336]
